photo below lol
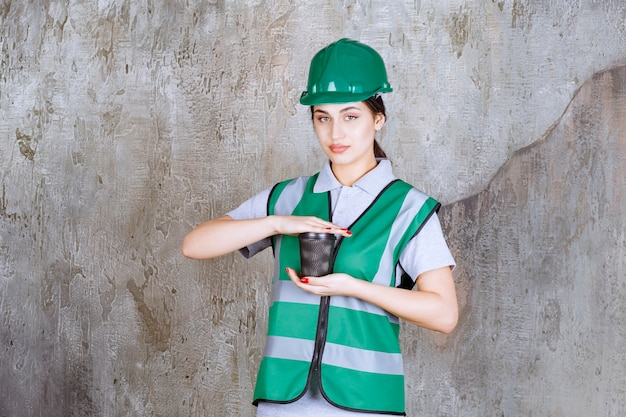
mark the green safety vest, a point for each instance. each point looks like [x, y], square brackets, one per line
[351, 344]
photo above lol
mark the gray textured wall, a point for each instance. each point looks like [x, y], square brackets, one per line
[125, 123]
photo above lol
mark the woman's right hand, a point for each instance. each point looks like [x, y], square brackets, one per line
[224, 234]
[293, 225]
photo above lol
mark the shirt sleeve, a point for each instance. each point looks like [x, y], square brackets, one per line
[426, 251]
[253, 208]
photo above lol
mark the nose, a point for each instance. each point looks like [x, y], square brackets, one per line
[337, 129]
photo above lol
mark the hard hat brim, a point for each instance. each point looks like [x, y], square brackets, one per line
[337, 97]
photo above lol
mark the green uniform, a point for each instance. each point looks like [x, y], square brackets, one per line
[352, 346]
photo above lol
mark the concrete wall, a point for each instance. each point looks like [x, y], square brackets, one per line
[125, 123]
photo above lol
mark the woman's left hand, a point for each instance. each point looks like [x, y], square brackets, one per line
[433, 305]
[331, 284]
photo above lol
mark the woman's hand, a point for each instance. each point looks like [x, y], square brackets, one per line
[331, 284]
[293, 225]
[433, 306]
[223, 235]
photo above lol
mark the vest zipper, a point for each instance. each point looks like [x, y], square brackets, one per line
[322, 325]
[320, 338]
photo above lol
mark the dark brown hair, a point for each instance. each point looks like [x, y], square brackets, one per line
[376, 106]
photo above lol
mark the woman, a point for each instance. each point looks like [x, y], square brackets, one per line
[332, 346]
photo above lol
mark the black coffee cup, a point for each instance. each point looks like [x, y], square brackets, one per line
[315, 253]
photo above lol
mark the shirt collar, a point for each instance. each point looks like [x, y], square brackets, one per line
[373, 182]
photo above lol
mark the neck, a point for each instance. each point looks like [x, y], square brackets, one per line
[349, 174]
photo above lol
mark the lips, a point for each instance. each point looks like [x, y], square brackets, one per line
[338, 148]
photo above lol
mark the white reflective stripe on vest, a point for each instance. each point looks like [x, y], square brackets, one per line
[410, 207]
[289, 348]
[291, 196]
[277, 268]
[286, 203]
[362, 360]
[360, 305]
[286, 291]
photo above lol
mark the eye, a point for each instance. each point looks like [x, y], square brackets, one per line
[323, 119]
[351, 117]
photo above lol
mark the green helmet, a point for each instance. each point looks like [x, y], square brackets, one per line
[345, 71]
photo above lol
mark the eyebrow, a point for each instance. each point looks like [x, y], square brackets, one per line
[340, 111]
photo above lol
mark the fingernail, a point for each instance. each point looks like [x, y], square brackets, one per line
[349, 233]
[344, 229]
[304, 280]
[287, 270]
[329, 228]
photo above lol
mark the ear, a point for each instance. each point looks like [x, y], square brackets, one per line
[379, 121]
